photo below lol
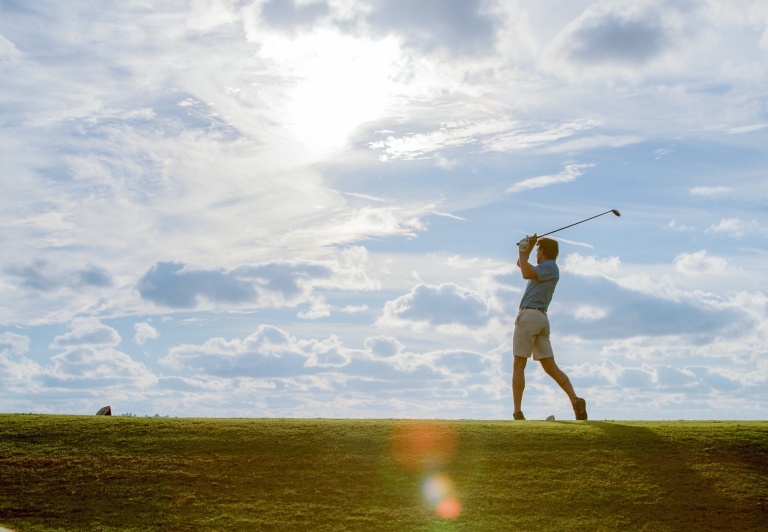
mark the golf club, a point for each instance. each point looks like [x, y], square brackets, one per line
[523, 244]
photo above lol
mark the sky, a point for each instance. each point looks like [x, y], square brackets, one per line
[309, 208]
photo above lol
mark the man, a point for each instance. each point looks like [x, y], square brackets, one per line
[532, 325]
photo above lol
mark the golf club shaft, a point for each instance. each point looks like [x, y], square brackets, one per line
[577, 223]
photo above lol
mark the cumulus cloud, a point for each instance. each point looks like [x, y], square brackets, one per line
[615, 33]
[736, 227]
[278, 283]
[86, 366]
[94, 276]
[384, 346]
[144, 332]
[87, 332]
[570, 173]
[700, 263]
[445, 304]
[269, 352]
[171, 285]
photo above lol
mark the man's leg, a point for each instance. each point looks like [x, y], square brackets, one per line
[560, 378]
[579, 404]
[518, 381]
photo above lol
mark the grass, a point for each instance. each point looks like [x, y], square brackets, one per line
[101, 473]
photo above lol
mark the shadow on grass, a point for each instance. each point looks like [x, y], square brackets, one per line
[681, 497]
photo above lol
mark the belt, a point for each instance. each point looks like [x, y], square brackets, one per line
[532, 308]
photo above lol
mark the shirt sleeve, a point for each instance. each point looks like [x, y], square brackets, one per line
[546, 271]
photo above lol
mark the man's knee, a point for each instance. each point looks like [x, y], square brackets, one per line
[520, 362]
[550, 367]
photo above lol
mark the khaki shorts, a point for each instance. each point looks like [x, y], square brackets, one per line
[532, 335]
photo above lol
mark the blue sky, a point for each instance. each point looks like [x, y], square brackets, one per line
[309, 208]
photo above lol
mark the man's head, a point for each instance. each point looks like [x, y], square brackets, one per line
[548, 250]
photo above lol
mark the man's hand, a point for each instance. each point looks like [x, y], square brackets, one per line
[525, 268]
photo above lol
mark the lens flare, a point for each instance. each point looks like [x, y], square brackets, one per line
[448, 508]
[437, 490]
[423, 445]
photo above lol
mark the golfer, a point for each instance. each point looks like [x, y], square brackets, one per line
[532, 325]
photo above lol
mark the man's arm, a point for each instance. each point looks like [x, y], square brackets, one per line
[525, 267]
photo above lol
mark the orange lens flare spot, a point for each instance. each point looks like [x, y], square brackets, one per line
[448, 508]
[422, 446]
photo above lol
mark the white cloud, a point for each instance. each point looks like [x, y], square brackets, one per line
[491, 135]
[144, 332]
[592, 142]
[89, 367]
[371, 222]
[570, 173]
[271, 284]
[746, 129]
[14, 344]
[674, 225]
[87, 332]
[736, 227]
[8, 50]
[710, 191]
[444, 163]
[591, 266]
[589, 313]
[442, 305]
[268, 344]
[700, 263]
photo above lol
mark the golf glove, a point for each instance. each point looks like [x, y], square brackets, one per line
[524, 245]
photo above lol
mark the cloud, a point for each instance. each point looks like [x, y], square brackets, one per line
[736, 227]
[571, 172]
[445, 304]
[270, 284]
[384, 346]
[492, 135]
[371, 222]
[700, 263]
[592, 142]
[170, 284]
[590, 266]
[95, 276]
[97, 368]
[268, 352]
[674, 225]
[710, 191]
[36, 276]
[87, 332]
[144, 332]
[7, 49]
[14, 344]
[288, 15]
[459, 26]
[591, 307]
[746, 129]
[632, 37]
[283, 277]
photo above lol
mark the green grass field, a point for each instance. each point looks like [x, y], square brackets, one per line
[120, 473]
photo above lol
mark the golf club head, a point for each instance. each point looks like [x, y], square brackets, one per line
[614, 211]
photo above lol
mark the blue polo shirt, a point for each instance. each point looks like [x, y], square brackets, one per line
[538, 293]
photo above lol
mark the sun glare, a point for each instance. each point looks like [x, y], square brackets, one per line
[339, 83]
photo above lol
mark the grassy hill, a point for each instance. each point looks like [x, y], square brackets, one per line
[120, 473]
